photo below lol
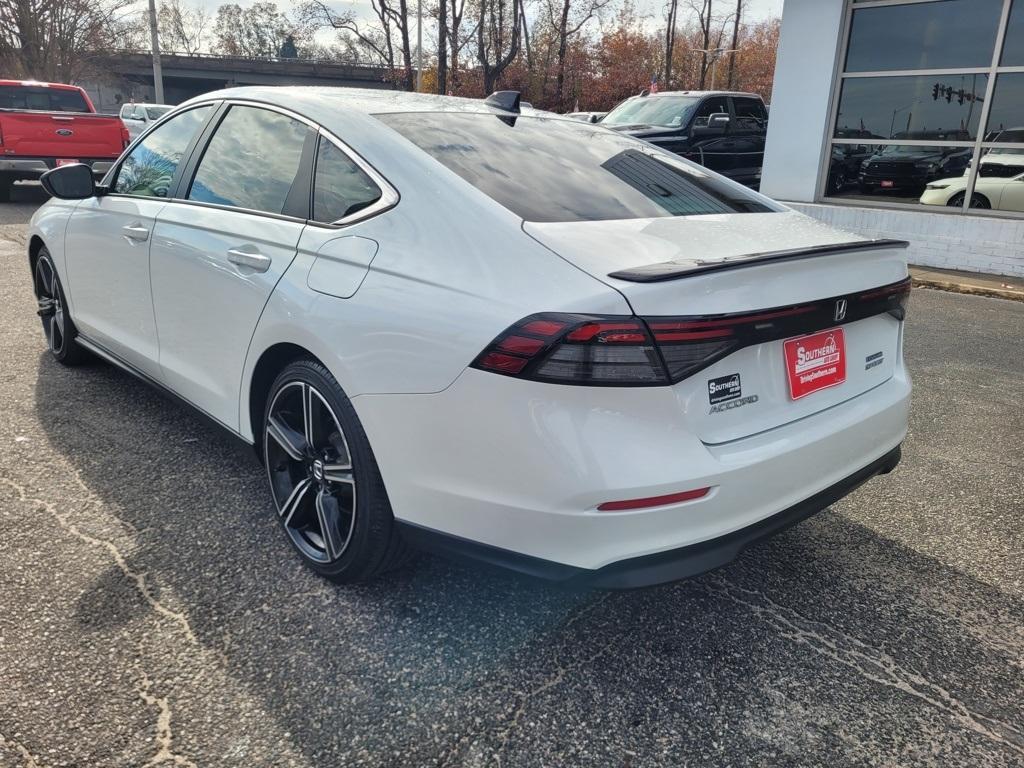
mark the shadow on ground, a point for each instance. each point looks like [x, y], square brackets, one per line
[830, 640]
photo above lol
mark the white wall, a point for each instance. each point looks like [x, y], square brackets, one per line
[801, 98]
[947, 241]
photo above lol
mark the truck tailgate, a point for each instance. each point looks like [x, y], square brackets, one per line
[71, 136]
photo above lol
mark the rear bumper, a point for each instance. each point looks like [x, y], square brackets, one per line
[523, 466]
[34, 167]
[659, 568]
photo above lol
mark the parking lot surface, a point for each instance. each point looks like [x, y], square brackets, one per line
[151, 612]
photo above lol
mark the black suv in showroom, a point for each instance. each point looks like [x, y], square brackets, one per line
[900, 168]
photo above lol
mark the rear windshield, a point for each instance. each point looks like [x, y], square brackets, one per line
[545, 169]
[41, 97]
[154, 113]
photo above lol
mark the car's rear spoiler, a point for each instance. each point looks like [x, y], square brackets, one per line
[672, 270]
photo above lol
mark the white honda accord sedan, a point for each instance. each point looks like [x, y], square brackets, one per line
[443, 323]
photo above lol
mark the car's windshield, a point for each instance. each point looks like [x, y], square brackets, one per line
[546, 169]
[657, 111]
[155, 113]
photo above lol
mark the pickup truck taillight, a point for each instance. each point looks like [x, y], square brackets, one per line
[126, 138]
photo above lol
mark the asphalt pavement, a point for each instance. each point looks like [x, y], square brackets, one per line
[151, 612]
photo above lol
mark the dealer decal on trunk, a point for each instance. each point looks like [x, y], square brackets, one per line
[814, 362]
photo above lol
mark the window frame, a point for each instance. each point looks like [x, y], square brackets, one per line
[389, 196]
[193, 155]
[978, 145]
[110, 179]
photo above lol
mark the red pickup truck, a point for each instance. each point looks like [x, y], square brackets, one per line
[43, 125]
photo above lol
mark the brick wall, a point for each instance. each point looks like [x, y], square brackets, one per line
[970, 243]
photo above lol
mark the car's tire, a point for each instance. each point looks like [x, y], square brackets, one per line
[324, 478]
[5, 189]
[58, 327]
[978, 201]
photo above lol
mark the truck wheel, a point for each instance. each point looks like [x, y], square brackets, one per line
[5, 190]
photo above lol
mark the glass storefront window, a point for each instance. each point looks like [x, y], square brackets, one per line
[1013, 48]
[913, 124]
[895, 173]
[946, 34]
[921, 107]
[1006, 117]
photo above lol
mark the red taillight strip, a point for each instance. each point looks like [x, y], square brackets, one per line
[653, 501]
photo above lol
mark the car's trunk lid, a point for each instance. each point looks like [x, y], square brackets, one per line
[707, 266]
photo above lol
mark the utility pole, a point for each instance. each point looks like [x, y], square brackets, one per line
[158, 76]
[419, 44]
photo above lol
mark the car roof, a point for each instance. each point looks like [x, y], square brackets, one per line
[41, 84]
[365, 100]
[659, 94]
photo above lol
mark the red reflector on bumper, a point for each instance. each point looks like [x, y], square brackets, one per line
[653, 501]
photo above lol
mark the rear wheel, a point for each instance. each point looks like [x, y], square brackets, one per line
[328, 492]
[58, 328]
[5, 189]
[977, 201]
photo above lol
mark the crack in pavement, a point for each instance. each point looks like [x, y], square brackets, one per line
[164, 734]
[553, 680]
[31, 761]
[138, 578]
[867, 661]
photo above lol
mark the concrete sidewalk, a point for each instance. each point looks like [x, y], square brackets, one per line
[1000, 286]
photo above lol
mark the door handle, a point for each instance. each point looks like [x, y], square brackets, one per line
[252, 259]
[136, 232]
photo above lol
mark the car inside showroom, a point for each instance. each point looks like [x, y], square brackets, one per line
[905, 118]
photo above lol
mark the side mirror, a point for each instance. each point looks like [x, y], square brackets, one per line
[593, 118]
[718, 123]
[69, 182]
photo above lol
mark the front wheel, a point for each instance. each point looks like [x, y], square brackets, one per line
[327, 490]
[58, 328]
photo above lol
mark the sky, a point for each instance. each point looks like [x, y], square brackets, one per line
[757, 10]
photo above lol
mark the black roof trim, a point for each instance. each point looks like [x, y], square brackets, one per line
[672, 270]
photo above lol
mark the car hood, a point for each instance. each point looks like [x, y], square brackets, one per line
[643, 131]
[916, 157]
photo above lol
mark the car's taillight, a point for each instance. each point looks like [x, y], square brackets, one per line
[576, 349]
[126, 138]
[656, 351]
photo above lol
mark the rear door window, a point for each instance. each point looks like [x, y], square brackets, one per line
[750, 115]
[545, 169]
[252, 160]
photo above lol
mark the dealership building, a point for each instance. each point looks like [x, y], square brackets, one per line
[905, 119]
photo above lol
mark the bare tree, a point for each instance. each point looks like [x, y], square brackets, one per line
[736, 21]
[498, 36]
[567, 21]
[183, 28]
[376, 39]
[56, 39]
[442, 44]
[670, 40]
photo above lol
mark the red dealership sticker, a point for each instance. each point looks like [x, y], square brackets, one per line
[815, 362]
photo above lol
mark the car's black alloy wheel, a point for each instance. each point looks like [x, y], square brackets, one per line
[325, 483]
[58, 328]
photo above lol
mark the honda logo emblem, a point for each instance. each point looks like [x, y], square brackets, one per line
[840, 310]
